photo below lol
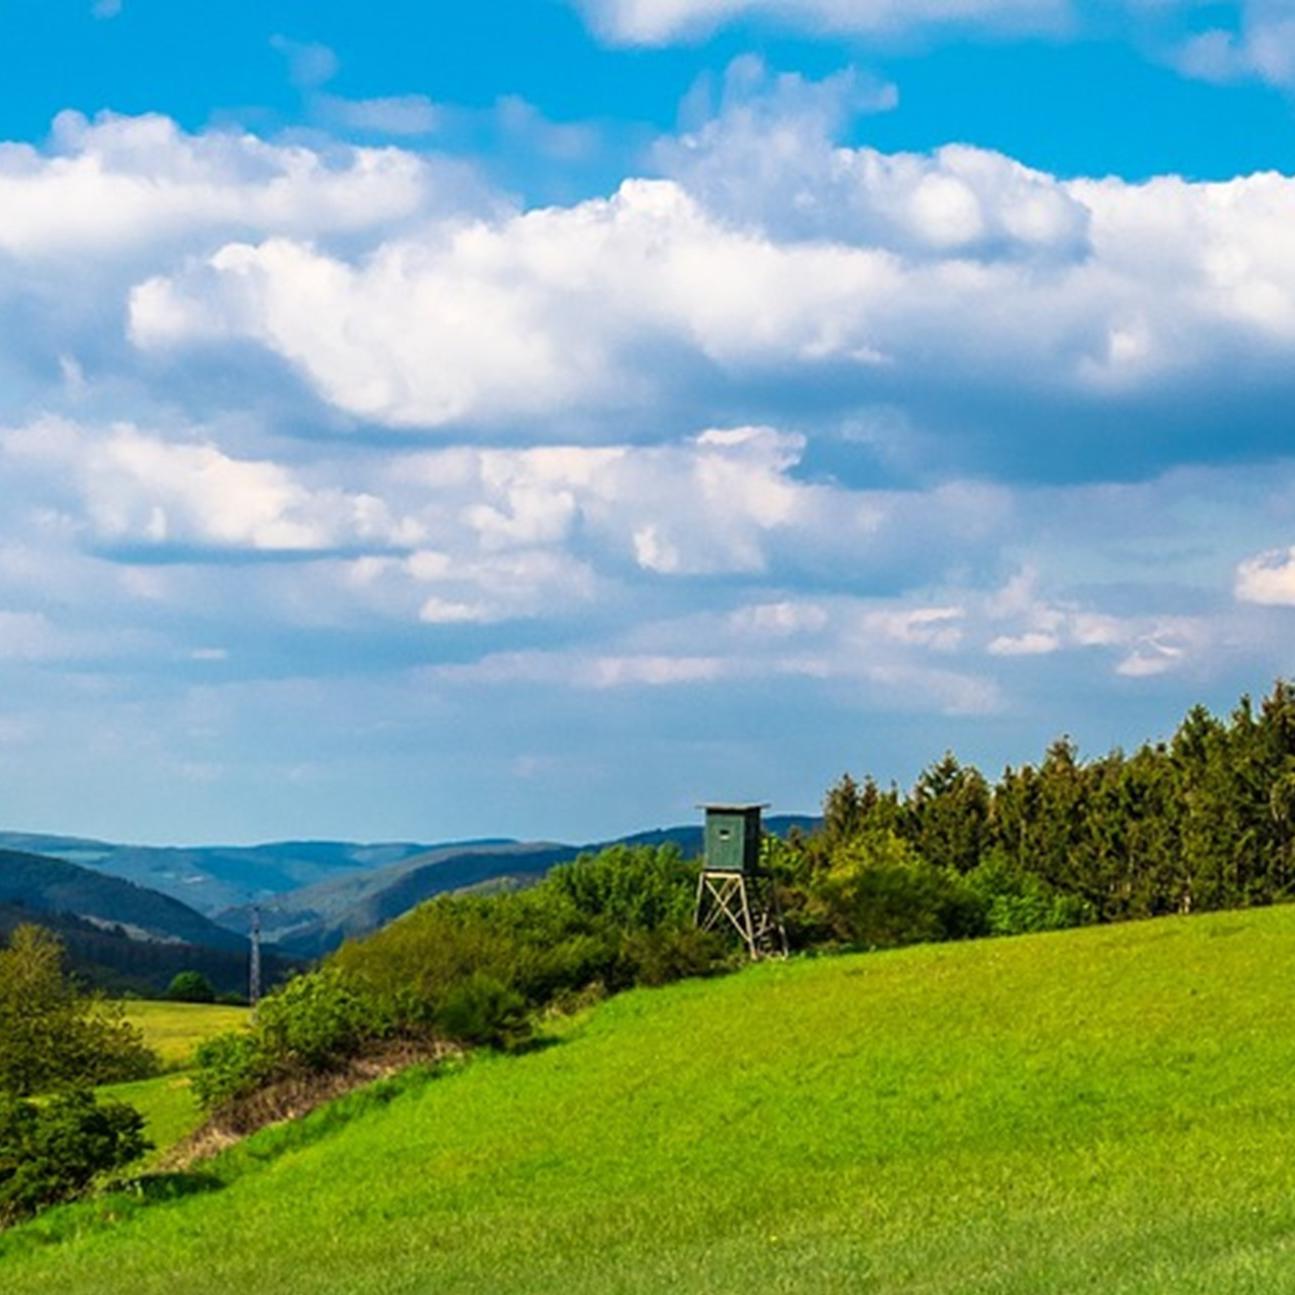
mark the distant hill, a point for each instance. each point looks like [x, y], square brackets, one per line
[315, 919]
[313, 894]
[120, 936]
[216, 877]
[42, 884]
[109, 959]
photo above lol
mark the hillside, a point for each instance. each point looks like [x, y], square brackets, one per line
[1105, 1109]
[109, 959]
[56, 886]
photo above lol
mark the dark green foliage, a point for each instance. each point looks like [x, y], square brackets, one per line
[636, 888]
[877, 891]
[480, 1010]
[1015, 902]
[53, 1151]
[228, 1066]
[110, 959]
[673, 953]
[1204, 821]
[190, 987]
[51, 1033]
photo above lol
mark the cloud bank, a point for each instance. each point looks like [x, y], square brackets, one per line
[343, 443]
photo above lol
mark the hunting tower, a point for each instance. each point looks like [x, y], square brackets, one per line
[733, 887]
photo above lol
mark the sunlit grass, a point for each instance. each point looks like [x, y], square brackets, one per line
[1109, 1109]
[174, 1030]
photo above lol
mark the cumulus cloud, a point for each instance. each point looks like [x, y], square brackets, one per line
[680, 439]
[125, 184]
[142, 491]
[862, 274]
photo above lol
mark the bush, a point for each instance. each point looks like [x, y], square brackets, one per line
[878, 892]
[54, 1151]
[634, 888]
[315, 1023]
[673, 953]
[1017, 902]
[481, 1010]
[191, 987]
[228, 1066]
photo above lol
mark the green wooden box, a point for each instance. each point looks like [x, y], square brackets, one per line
[733, 838]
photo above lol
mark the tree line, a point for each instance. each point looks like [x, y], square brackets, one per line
[1203, 820]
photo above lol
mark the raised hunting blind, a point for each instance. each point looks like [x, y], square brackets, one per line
[733, 888]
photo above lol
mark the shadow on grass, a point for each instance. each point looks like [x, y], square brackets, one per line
[153, 1189]
[115, 1204]
[536, 1043]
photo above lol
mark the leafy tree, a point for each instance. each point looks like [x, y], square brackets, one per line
[191, 987]
[947, 814]
[51, 1033]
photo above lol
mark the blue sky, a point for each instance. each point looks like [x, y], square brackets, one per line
[422, 420]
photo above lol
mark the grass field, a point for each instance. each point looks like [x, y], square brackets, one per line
[1110, 1109]
[173, 1030]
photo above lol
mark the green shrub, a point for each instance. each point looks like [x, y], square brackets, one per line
[878, 892]
[634, 888]
[1018, 902]
[53, 1151]
[316, 1023]
[190, 987]
[673, 953]
[228, 1066]
[481, 1010]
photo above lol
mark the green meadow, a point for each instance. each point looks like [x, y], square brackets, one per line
[1107, 1109]
[174, 1030]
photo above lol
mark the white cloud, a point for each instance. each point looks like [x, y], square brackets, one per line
[655, 22]
[310, 64]
[959, 271]
[1268, 578]
[137, 185]
[142, 490]
[1031, 643]
[1261, 46]
[404, 114]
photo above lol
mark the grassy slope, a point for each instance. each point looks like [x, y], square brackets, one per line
[1110, 1109]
